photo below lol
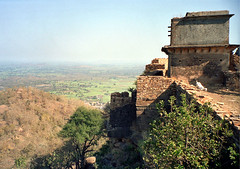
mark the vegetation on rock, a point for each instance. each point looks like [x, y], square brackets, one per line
[82, 132]
[118, 154]
[189, 137]
[29, 122]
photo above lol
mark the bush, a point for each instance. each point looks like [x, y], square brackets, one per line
[20, 162]
[189, 137]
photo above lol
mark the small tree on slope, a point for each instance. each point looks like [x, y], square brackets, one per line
[83, 129]
[188, 137]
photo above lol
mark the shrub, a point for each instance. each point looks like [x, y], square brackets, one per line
[189, 137]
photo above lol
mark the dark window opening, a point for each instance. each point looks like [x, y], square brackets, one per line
[159, 73]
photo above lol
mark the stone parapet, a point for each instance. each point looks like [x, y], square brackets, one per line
[149, 88]
[122, 114]
[158, 67]
[120, 99]
[221, 110]
[152, 67]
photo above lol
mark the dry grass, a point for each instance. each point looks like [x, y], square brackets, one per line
[29, 122]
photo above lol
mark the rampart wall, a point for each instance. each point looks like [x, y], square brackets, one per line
[122, 114]
[120, 99]
[199, 50]
[133, 118]
[151, 89]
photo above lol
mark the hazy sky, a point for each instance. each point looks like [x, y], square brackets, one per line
[96, 31]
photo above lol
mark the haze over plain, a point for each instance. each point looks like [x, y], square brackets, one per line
[96, 31]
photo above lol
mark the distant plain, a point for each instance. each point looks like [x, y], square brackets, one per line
[90, 83]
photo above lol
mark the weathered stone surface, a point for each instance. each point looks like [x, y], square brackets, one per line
[200, 28]
[199, 47]
[158, 67]
[207, 13]
[122, 114]
[199, 50]
[232, 80]
[152, 67]
[150, 90]
[120, 99]
[90, 160]
[234, 62]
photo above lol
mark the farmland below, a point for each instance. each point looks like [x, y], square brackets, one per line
[90, 83]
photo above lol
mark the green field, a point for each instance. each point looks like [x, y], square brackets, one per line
[92, 84]
[91, 91]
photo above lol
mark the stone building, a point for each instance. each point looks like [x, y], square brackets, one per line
[199, 50]
[199, 47]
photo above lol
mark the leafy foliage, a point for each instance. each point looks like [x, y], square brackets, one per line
[188, 137]
[82, 132]
[83, 129]
[83, 125]
[20, 162]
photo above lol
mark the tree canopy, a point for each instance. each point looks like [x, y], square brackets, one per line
[83, 125]
[189, 137]
[83, 129]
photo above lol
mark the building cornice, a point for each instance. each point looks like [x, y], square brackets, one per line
[213, 48]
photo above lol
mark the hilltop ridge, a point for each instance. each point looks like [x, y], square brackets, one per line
[29, 122]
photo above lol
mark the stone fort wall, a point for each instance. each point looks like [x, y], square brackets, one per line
[133, 118]
[150, 90]
[197, 52]
[122, 114]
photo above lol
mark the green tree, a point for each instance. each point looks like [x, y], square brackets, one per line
[20, 162]
[83, 129]
[188, 137]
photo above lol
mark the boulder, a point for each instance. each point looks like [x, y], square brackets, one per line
[90, 160]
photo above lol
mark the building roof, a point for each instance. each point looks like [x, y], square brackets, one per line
[205, 14]
[202, 46]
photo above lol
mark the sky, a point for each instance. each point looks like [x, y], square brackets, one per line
[96, 31]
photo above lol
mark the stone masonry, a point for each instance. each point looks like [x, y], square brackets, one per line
[122, 114]
[199, 47]
[150, 90]
[199, 50]
[158, 67]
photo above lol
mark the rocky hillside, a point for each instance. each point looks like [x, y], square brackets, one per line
[29, 122]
